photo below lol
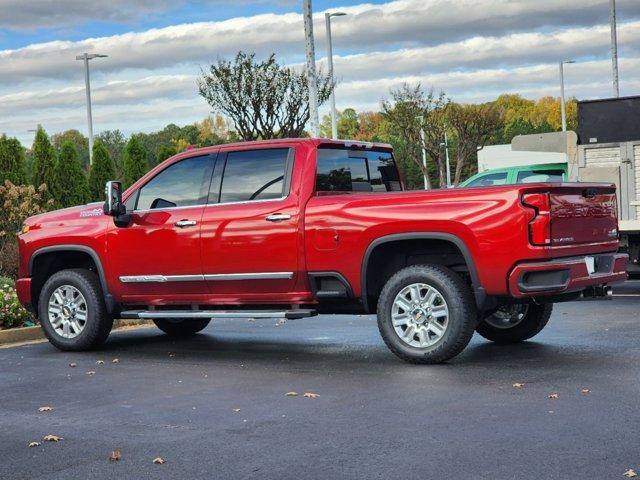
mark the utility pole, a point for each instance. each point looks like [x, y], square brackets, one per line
[86, 57]
[563, 111]
[423, 147]
[614, 47]
[334, 115]
[314, 120]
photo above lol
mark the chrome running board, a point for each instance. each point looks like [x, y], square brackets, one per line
[156, 314]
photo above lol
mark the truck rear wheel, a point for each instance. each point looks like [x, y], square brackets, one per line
[426, 314]
[515, 323]
[72, 311]
[181, 327]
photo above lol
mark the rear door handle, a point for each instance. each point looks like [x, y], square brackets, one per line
[278, 217]
[185, 223]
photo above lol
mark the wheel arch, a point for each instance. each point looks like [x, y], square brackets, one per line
[449, 238]
[79, 254]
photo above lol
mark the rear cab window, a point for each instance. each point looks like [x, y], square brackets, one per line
[490, 179]
[346, 170]
[538, 176]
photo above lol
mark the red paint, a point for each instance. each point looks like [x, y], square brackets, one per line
[327, 232]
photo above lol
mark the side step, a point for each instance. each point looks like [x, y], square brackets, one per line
[288, 314]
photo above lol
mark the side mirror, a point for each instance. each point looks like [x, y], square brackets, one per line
[113, 205]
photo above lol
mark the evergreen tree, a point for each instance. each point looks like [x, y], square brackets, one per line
[70, 177]
[102, 170]
[135, 161]
[13, 166]
[43, 169]
[165, 152]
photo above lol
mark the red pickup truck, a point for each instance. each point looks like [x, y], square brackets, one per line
[290, 228]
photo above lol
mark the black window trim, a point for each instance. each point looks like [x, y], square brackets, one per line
[215, 189]
[207, 178]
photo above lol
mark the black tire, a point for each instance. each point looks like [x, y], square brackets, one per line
[98, 322]
[181, 327]
[462, 318]
[534, 320]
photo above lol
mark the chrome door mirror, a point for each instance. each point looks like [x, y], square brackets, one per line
[113, 205]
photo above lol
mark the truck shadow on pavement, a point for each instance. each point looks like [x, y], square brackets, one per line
[210, 347]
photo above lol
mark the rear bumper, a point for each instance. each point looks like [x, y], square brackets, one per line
[23, 290]
[566, 275]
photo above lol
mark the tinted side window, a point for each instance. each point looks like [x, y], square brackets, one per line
[489, 179]
[254, 175]
[180, 185]
[341, 170]
[541, 176]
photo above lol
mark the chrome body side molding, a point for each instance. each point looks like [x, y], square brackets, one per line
[207, 277]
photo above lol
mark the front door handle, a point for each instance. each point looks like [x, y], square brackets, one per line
[185, 223]
[278, 217]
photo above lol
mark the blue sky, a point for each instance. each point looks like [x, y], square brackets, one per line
[473, 50]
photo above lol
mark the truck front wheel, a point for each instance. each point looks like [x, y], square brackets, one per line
[515, 323]
[72, 311]
[426, 314]
[181, 327]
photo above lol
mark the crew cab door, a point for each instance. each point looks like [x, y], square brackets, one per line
[250, 228]
[156, 259]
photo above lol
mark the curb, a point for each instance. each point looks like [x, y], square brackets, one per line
[35, 334]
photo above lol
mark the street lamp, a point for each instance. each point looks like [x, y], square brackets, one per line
[86, 57]
[334, 121]
[563, 111]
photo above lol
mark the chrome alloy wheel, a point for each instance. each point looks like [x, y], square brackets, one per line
[420, 315]
[67, 311]
[508, 316]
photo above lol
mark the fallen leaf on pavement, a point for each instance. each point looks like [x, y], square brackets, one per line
[72, 365]
[115, 456]
[115, 360]
[310, 395]
[51, 438]
[100, 362]
[159, 460]
[553, 396]
[630, 473]
[46, 408]
[34, 444]
[584, 391]
[91, 372]
[518, 385]
[291, 394]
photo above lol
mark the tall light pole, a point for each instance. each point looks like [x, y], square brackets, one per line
[563, 112]
[314, 119]
[614, 47]
[86, 57]
[334, 120]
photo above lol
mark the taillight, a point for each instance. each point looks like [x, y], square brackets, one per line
[540, 226]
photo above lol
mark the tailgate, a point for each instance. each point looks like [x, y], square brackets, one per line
[583, 213]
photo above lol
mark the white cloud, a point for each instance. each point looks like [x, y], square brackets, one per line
[472, 49]
[401, 22]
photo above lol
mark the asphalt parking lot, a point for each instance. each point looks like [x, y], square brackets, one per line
[375, 416]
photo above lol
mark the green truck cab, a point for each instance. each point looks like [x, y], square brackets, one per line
[548, 172]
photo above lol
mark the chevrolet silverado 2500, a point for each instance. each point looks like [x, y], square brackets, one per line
[290, 228]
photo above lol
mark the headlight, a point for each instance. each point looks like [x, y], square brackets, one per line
[25, 229]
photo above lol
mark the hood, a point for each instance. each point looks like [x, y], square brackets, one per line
[88, 211]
